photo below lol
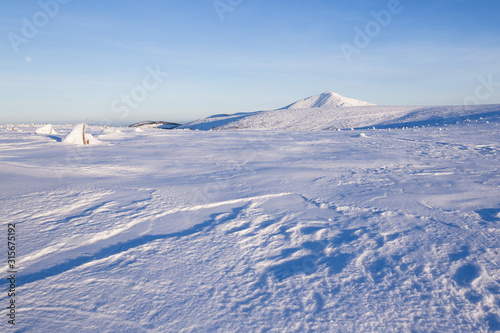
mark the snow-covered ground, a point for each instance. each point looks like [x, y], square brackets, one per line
[369, 230]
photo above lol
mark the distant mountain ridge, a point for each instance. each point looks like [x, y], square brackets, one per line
[155, 124]
[326, 99]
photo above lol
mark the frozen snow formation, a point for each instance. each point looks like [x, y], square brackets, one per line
[326, 99]
[110, 133]
[46, 129]
[78, 136]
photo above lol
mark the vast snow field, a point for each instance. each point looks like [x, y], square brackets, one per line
[264, 230]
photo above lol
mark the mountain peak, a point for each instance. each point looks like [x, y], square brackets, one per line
[326, 99]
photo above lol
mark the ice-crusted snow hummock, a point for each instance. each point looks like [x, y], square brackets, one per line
[46, 129]
[78, 136]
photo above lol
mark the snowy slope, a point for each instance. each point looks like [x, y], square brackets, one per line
[326, 99]
[255, 231]
[331, 118]
[218, 121]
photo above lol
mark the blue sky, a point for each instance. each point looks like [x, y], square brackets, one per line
[86, 57]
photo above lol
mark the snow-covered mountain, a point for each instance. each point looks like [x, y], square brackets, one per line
[326, 99]
[331, 118]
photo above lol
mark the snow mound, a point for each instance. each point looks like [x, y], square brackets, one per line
[79, 137]
[327, 99]
[47, 129]
[110, 132]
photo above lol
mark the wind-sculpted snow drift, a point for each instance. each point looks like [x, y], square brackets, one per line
[396, 230]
